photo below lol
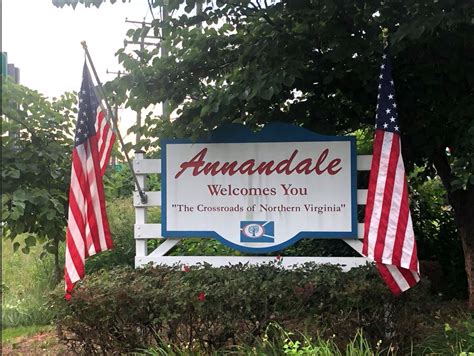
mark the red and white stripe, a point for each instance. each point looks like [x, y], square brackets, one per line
[388, 238]
[88, 228]
[106, 139]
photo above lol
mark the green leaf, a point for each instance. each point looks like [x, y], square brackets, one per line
[136, 35]
[14, 173]
[30, 241]
[456, 184]
[328, 79]
[205, 110]
[289, 80]
[243, 95]
[267, 93]
[50, 215]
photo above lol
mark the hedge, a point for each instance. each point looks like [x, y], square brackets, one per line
[206, 309]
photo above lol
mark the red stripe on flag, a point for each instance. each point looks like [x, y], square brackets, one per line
[92, 197]
[387, 198]
[69, 283]
[75, 253]
[414, 259]
[110, 145]
[408, 275]
[101, 200]
[75, 213]
[101, 133]
[401, 229]
[388, 279]
[374, 172]
[106, 139]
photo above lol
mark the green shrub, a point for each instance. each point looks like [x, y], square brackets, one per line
[121, 220]
[454, 337]
[119, 183]
[208, 308]
[436, 234]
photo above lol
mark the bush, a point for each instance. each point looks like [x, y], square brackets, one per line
[437, 237]
[207, 309]
[121, 220]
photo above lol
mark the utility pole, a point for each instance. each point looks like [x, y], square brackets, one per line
[199, 10]
[164, 54]
[142, 44]
[164, 51]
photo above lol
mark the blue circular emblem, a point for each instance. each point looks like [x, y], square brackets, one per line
[253, 230]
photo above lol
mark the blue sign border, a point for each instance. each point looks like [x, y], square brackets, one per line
[274, 132]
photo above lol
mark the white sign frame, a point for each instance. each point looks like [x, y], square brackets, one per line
[274, 133]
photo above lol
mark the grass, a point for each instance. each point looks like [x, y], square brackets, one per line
[283, 342]
[26, 282]
[10, 334]
[457, 340]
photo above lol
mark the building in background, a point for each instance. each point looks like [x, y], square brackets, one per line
[10, 69]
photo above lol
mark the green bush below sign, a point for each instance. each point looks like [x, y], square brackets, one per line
[207, 309]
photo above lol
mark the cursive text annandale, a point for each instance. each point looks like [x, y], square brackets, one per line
[319, 166]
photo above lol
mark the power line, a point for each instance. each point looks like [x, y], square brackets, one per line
[142, 44]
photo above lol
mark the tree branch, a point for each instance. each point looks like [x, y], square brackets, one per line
[24, 125]
[444, 171]
[442, 168]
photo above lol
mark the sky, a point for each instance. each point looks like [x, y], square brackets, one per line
[45, 41]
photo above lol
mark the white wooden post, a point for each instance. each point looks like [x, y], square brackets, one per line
[140, 209]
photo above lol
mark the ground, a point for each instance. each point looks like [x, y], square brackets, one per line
[42, 343]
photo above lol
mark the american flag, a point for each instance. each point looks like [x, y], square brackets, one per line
[388, 238]
[87, 228]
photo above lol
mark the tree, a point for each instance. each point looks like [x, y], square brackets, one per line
[315, 63]
[87, 3]
[36, 147]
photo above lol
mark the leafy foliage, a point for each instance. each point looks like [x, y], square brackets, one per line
[36, 147]
[206, 308]
[87, 3]
[315, 64]
[118, 184]
[437, 235]
[121, 220]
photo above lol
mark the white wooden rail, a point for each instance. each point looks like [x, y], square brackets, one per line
[144, 231]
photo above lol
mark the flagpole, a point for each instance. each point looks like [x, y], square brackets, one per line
[385, 37]
[110, 113]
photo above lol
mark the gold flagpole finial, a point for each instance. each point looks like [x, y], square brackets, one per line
[385, 36]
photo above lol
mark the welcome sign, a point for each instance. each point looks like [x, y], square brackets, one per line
[260, 192]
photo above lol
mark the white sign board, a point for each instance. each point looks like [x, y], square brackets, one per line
[260, 196]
